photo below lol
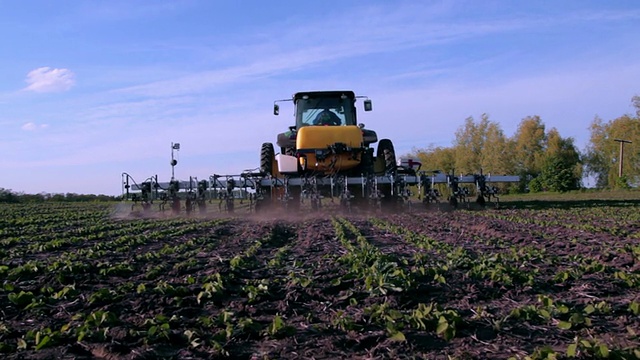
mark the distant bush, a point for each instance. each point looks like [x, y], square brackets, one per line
[535, 185]
[622, 182]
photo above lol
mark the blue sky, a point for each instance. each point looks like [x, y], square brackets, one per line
[91, 89]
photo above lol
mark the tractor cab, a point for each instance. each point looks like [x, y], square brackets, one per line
[334, 109]
[324, 109]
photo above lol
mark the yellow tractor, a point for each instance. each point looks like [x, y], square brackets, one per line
[328, 154]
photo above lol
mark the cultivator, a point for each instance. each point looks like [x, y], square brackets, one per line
[325, 160]
[256, 191]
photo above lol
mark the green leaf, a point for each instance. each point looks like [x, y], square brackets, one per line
[576, 318]
[635, 308]
[398, 336]
[564, 325]
[65, 327]
[445, 329]
[43, 342]
[589, 309]
[603, 351]
[586, 344]
[545, 314]
[546, 301]
[442, 326]
[572, 350]
[22, 298]
[305, 282]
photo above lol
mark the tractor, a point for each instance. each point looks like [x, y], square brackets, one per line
[325, 148]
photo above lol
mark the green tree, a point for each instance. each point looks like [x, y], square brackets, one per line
[602, 154]
[436, 158]
[482, 146]
[562, 167]
[595, 159]
[468, 145]
[497, 153]
[528, 146]
[8, 196]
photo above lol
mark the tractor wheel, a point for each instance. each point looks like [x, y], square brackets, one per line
[267, 158]
[386, 152]
[388, 155]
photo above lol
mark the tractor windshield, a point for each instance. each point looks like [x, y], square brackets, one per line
[325, 111]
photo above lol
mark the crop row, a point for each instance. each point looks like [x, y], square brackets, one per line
[329, 286]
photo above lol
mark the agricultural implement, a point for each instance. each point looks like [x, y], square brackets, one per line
[325, 158]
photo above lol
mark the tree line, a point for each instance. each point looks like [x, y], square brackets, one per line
[543, 158]
[9, 196]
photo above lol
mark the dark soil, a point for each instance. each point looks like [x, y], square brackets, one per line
[510, 283]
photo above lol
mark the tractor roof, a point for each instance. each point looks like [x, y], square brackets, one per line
[324, 94]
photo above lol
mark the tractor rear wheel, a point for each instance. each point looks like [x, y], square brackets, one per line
[386, 152]
[267, 158]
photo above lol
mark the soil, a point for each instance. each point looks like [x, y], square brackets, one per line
[275, 286]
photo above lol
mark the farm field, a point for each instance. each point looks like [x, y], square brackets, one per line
[521, 281]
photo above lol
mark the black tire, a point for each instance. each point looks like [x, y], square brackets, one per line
[386, 152]
[267, 157]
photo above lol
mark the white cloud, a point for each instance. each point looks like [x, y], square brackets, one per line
[30, 126]
[46, 79]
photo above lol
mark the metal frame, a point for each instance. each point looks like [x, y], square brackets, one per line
[257, 186]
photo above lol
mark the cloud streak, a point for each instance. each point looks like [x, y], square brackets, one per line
[46, 80]
[30, 126]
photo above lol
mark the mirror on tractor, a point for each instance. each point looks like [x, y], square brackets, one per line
[276, 109]
[367, 105]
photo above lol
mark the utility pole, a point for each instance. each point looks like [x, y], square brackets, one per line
[622, 142]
